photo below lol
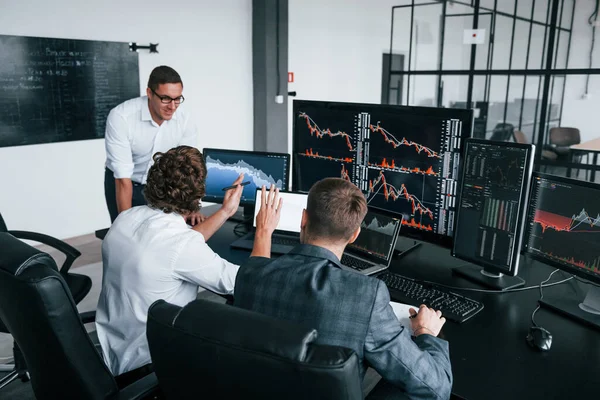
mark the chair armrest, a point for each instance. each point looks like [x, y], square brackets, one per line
[88, 317]
[71, 252]
[145, 388]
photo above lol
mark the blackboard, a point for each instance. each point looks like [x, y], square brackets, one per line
[56, 90]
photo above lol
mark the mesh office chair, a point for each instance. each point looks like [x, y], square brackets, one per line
[79, 286]
[37, 307]
[215, 348]
[561, 138]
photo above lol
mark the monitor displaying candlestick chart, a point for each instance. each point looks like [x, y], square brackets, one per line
[259, 168]
[405, 159]
[494, 189]
[564, 224]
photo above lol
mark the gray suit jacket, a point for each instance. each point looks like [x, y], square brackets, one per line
[347, 309]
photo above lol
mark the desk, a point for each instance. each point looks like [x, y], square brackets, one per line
[590, 146]
[490, 358]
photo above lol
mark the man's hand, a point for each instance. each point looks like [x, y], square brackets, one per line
[231, 201]
[266, 222]
[427, 321]
[269, 213]
[195, 218]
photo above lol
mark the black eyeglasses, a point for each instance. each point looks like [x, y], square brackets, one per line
[167, 99]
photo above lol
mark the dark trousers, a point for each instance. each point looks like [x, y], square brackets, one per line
[110, 193]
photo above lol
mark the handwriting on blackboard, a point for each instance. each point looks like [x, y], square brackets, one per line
[59, 89]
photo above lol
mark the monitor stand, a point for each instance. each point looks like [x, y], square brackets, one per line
[587, 311]
[244, 214]
[490, 279]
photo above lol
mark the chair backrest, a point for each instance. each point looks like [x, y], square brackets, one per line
[564, 136]
[520, 137]
[218, 348]
[502, 132]
[3, 227]
[37, 307]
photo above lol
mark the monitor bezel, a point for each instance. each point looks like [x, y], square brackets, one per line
[566, 268]
[246, 202]
[522, 216]
[466, 115]
[371, 257]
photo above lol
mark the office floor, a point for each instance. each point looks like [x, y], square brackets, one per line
[90, 263]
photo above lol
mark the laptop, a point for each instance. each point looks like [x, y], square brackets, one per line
[287, 233]
[373, 249]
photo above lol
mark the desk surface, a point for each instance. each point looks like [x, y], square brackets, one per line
[590, 145]
[490, 358]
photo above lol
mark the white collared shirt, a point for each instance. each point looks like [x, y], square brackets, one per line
[132, 137]
[150, 255]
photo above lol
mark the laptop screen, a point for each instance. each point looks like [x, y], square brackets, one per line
[377, 238]
[291, 212]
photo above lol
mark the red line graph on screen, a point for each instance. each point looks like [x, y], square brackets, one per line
[390, 191]
[559, 223]
[391, 139]
[344, 174]
[418, 225]
[319, 133]
[594, 266]
[312, 154]
[387, 165]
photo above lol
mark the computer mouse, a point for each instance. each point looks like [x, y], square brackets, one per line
[539, 338]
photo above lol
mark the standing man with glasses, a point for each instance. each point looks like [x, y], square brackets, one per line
[139, 128]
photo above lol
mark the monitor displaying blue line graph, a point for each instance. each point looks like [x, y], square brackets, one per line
[259, 168]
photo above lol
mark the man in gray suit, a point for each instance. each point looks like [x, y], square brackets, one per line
[347, 309]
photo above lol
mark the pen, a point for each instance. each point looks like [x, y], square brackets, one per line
[234, 186]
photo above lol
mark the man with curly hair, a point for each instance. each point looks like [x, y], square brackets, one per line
[150, 253]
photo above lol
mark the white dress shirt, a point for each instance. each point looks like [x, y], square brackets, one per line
[150, 255]
[132, 137]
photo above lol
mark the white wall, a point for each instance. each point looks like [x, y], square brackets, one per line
[579, 112]
[336, 47]
[58, 188]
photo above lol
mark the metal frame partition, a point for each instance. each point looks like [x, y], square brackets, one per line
[548, 69]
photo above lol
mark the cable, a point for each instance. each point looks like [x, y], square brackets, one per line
[541, 297]
[586, 281]
[500, 291]
[240, 229]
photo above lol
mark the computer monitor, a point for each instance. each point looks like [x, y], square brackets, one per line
[259, 168]
[492, 209]
[564, 232]
[404, 159]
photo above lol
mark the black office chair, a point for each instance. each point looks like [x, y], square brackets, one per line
[216, 348]
[503, 132]
[79, 286]
[37, 307]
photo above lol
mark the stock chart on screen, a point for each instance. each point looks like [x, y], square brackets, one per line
[224, 166]
[565, 223]
[404, 159]
[492, 202]
[377, 235]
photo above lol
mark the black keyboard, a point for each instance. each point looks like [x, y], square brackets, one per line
[454, 307]
[284, 240]
[355, 263]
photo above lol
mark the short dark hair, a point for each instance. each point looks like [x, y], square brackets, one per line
[177, 180]
[161, 75]
[335, 209]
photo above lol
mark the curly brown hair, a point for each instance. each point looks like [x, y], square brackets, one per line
[177, 180]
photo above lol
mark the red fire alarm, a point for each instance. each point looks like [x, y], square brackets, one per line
[290, 77]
